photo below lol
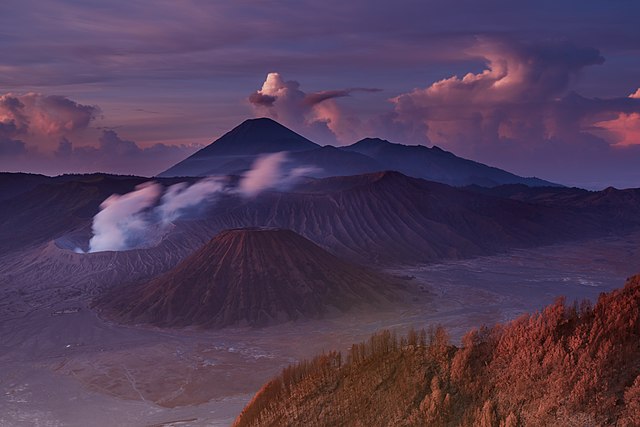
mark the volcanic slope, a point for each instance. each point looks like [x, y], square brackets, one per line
[568, 365]
[387, 218]
[252, 277]
[234, 152]
[383, 218]
[436, 164]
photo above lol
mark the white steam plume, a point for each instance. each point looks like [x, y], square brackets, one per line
[179, 197]
[121, 219]
[142, 217]
[268, 172]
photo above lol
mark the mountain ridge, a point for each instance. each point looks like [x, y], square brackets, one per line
[235, 152]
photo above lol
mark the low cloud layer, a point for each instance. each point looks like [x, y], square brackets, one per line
[517, 97]
[54, 134]
[521, 113]
[115, 154]
[141, 218]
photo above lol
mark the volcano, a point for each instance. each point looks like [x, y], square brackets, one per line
[252, 276]
[234, 152]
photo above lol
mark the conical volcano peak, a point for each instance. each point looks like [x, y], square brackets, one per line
[256, 136]
[253, 276]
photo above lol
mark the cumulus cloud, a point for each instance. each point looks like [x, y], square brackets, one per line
[8, 145]
[11, 147]
[38, 114]
[624, 130]
[514, 97]
[312, 113]
[521, 113]
[54, 134]
[115, 154]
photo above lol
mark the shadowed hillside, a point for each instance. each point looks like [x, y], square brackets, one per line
[387, 217]
[382, 218]
[254, 277]
[568, 365]
[436, 164]
[235, 151]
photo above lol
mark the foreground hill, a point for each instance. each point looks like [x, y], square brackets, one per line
[234, 152]
[255, 277]
[567, 365]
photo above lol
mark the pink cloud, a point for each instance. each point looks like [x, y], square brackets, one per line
[45, 115]
[624, 130]
[513, 98]
[315, 114]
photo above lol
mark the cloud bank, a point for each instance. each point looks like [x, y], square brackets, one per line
[37, 133]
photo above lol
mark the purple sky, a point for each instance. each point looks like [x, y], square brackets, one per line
[544, 89]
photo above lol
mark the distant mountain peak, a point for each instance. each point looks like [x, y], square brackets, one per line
[249, 139]
[256, 136]
[261, 122]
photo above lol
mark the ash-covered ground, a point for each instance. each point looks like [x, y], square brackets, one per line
[62, 365]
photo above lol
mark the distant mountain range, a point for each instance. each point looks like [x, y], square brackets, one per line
[234, 152]
[379, 218]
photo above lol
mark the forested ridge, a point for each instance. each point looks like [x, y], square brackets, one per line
[570, 365]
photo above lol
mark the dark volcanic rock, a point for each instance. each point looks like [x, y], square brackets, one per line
[235, 151]
[436, 164]
[251, 276]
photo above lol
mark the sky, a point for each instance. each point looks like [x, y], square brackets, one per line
[545, 88]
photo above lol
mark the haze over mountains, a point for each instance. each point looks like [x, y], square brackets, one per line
[234, 152]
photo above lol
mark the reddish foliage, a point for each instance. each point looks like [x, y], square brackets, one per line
[567, 365]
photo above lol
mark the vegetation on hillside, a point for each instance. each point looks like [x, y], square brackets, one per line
[569, 365]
